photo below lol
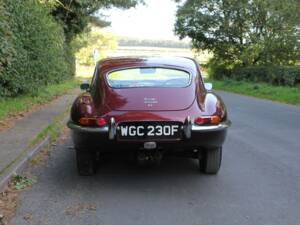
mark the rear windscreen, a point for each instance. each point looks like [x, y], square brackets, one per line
[148, 77]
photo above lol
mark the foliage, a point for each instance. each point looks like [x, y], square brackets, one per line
[22, 182]
[75, 15]
[242, 32]
[125, 41]
[260, 90]
[7, 50]
[218, 69]
[93, 40]
[277, 75]
[33, 49]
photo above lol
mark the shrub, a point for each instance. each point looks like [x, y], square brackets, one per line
[218, 69]
[7, 50]
[35, 52]
[276, 75]
[90, 40]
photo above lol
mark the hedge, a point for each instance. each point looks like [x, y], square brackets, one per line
[33, 51]
[7, 50]
[275, 75]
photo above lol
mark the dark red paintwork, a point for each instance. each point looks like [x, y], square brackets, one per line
[99, 115]
[173, 104]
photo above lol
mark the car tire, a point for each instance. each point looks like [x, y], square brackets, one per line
[86, 162]
[210, 160]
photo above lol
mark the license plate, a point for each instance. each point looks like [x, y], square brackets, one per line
[149, 130]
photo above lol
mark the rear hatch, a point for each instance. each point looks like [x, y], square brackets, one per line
[150, 99]
[150, 89]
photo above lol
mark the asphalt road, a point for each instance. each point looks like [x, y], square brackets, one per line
[259, 182]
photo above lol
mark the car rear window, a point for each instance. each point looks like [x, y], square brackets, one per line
[148, 77]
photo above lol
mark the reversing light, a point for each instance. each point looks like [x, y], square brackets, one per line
[207, 120]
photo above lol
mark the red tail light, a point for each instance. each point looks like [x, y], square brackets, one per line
[85, 121]
[207, 120]
[101, 122]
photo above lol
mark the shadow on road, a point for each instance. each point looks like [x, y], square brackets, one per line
[121, 174]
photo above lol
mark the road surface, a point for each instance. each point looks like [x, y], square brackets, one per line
[259, 182]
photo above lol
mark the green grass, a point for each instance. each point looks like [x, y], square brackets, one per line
[22, 182]
[53, 130]
[13, 106]
[290, 95]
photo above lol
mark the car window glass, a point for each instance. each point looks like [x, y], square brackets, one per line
[148, 77]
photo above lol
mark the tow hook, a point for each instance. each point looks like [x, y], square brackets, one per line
[149, 155]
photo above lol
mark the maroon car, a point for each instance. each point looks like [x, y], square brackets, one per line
[148, 107]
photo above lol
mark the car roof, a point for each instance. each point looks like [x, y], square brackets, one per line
[115, 63]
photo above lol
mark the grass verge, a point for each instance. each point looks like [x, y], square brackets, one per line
[16, 105]
[53, 130]
[290, 95]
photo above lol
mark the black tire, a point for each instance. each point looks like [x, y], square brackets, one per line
[86, 162]
[210, 160]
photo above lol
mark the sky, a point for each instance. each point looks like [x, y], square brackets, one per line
[155, 20]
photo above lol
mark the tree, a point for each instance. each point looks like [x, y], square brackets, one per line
[243, 32]
[75, 15]
[33, 52]
[93, 40]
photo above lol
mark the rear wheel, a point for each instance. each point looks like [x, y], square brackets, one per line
[86, 162]
[210, 160]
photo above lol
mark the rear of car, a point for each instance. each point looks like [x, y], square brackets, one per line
[148, 107]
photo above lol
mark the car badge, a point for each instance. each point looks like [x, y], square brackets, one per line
[150, 101]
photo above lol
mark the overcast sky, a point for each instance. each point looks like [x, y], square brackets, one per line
[152, 21]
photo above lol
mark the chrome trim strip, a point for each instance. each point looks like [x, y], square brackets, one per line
[221, 126]
[76, 127]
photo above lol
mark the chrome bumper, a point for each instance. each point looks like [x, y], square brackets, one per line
[110, 129]
[76, 127]
[221, 126]
[188, 128]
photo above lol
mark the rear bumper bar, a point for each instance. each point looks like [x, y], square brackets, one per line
[110, 129]
[78, 128]
[104, 138]
[221, 126]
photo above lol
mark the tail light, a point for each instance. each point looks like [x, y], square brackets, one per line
[85, 121]
[101, 122]
[207, 120]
